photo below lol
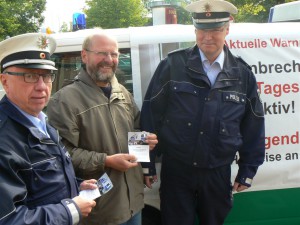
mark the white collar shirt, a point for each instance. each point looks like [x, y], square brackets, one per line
[212, 70]
[39, 122]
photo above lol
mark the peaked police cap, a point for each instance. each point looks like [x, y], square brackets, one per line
[31, 50]
[208, 14]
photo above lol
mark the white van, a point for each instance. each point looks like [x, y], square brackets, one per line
[286, 12]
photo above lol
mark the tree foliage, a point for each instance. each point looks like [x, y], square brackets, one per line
[20, 16]
[115, 13]
[183, 16]
[64, 28]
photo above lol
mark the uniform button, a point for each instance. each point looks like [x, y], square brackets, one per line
[201, 132]
[175, 88]
[195, 92]
[189, 124]
[35, 178]
[227, 97]
[223, 130]
[208, 99]
[205, 99]
[195, 164]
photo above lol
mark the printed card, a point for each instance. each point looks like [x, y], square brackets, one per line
[104, 185]
[138, 147]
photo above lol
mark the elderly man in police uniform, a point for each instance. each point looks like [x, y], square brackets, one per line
[37, 181]
[203, 104]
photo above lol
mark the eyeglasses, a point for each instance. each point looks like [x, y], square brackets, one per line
[34, 77]
[113, 55]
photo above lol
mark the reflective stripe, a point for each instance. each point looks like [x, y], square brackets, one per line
[74, 213]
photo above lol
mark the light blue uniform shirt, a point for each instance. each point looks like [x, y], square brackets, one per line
[39, 122]
[212, 70]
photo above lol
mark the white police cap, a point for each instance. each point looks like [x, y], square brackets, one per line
[31, 50]
[209, 14]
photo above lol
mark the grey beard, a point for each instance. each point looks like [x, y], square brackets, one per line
[99, 77]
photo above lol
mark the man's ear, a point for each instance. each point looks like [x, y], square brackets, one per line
[1, 77]
[83, 56]
[227, 30]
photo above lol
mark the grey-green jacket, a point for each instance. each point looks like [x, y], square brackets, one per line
[92, 127]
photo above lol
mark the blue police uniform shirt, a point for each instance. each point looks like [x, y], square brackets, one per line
[212, 70]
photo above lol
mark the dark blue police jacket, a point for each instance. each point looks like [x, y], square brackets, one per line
[202, 125]
[37, 179]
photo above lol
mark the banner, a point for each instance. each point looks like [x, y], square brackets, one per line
[274, 55]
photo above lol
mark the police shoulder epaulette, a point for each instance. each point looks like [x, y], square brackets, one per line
[243, 61]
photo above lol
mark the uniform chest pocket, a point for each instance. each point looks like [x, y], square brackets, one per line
[233, 106]
[184, 100]
[184, 89]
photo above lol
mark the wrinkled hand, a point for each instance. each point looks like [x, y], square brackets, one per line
[84, 205]
[149, 180]
[239, 187]
[88, 184]
[151, 140]
[121, 162]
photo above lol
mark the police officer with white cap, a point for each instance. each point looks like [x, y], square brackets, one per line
[37, 182]
[202, 103]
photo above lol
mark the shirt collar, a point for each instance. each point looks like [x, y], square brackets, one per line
[39, 122]
[220, 59]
